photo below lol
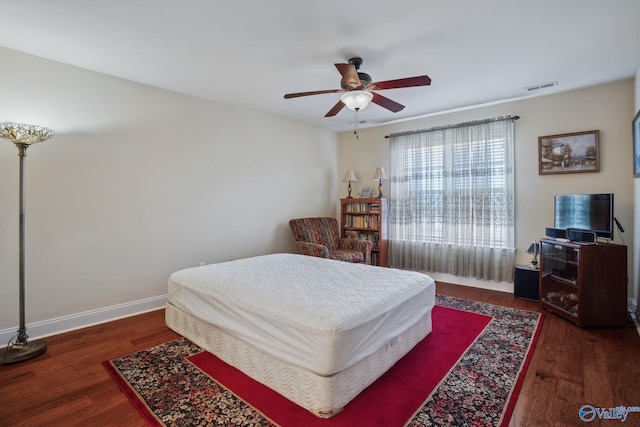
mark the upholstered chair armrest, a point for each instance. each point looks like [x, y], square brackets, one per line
[313, 249]
[363, 246]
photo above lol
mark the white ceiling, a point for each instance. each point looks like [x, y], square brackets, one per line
[251, 53]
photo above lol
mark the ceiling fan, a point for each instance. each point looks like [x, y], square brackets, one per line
[358, 89]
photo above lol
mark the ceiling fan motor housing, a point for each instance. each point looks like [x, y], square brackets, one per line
[365, 79]
[356, 62]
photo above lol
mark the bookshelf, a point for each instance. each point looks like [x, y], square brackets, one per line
[367, 219]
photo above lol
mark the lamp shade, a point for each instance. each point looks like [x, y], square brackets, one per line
[24, 134]
[380, 174]
[349, 176]
[356, 99]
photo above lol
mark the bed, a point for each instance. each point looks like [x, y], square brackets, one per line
[315, 330]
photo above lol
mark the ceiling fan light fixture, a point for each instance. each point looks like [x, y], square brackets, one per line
[356, 99]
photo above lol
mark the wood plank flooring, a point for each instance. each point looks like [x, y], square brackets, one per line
[67, 386]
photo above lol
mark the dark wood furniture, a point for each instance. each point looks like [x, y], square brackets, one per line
[526, 282]
[367, 219]
[584, 283]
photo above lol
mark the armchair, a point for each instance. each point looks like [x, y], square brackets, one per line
[319, 237]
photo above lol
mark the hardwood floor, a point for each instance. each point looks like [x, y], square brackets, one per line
[570, 367]
[67, 386]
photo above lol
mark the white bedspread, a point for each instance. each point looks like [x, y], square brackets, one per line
[320, 314]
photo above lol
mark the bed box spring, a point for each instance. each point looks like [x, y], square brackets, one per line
[319, 314]
[324, 396]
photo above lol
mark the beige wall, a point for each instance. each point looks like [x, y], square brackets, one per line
[606, 108]
[140, 182]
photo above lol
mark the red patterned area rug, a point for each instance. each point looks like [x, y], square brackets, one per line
[468, 371]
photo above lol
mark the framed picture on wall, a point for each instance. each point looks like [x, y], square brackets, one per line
[636, 145]
[569, 153]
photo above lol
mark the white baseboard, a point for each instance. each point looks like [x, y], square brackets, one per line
[72, 322]
[473, 282]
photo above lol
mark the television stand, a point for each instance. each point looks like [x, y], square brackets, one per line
[585, 283]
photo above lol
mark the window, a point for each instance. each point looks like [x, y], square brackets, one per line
[452, 186]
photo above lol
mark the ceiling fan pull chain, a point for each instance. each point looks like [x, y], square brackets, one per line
[355, 123]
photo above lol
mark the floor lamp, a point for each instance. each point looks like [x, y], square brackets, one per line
[19, 347]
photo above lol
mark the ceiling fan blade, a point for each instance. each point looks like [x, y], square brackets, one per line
[386, 103]
[335, 110]
[400, 83]
[349, 74]
[316, 92]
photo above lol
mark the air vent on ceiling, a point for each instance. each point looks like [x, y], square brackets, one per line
[540, 86]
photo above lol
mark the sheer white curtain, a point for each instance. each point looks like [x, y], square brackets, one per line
[451, 200]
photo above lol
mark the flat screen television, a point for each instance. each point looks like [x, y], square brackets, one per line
[591, 212]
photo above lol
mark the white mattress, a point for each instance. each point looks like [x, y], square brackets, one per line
[318, 314]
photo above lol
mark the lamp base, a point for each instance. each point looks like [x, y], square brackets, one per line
[19, 353]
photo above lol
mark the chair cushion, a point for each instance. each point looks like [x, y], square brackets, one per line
[312, 249]
[346, 255]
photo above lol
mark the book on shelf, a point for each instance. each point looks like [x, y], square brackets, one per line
[374, 258]
[362, 207]
[359, 221]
